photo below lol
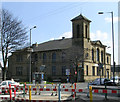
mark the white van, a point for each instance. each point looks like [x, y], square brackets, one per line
[117, 80]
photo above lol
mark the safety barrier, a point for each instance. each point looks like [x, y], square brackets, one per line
[55, 89]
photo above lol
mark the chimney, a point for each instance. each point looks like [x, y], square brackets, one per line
[63, 38]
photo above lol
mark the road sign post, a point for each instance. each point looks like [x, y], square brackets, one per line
[100, 67]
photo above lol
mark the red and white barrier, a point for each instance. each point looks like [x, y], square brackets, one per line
[63, 89]
[105, 91]
[74, 90]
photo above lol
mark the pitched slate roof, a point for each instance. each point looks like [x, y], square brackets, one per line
[54, 45]
[80, 17]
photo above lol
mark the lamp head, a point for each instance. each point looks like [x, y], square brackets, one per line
[100, 12]
[34, 27]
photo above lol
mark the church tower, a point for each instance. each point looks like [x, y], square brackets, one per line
[81, 40]
[81, 27]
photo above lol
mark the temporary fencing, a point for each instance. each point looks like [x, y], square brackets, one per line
[54, 88]
[105, 91]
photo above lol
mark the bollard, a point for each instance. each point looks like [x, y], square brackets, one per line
[39, 90]
[36, 90]
[56, 90]
[71, 91]
[59, 92]
[52, 90]
[90, 91]
[17, 90]
[14, 90]
[75, 88]
[10, 91]
[29, 92]
[73, 95]
[24, 91]
[105, 93]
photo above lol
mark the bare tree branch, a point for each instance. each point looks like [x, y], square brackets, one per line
[13, 36]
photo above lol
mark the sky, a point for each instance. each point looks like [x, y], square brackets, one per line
[53, 19]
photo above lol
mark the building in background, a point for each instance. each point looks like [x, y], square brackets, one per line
[72, 59]
[117, 70]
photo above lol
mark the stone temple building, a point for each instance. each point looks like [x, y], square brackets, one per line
[73, 59]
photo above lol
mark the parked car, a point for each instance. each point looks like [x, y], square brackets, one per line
[117, 80]
[5, 84]
[103, 82]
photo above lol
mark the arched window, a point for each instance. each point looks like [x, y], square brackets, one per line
[78, 31]
[63, 70]
[53, 70]
[44, 57]
[97, 54]
[107, 59]
[93, 54]
[87, 70]
[101, 56]
[53, 57]
[86, 31]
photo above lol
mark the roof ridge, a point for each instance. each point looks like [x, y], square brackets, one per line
[80, 17]
[54, 40]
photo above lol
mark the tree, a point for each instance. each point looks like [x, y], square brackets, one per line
[77, 55]
[13, 36]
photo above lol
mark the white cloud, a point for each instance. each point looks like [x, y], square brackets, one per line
[103, 37]
[109, 19]
[98, 35]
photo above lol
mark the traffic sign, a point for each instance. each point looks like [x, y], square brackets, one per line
[67, 71]
[80, 65]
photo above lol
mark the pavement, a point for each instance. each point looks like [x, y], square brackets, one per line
[68, 98]
[79, 98]
[97, 98]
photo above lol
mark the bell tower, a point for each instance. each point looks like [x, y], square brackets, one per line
[81, 27]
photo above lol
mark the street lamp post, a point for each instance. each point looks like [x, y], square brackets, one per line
[112, 42]
[30, 54]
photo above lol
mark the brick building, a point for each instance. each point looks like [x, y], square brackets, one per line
[78, 54]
